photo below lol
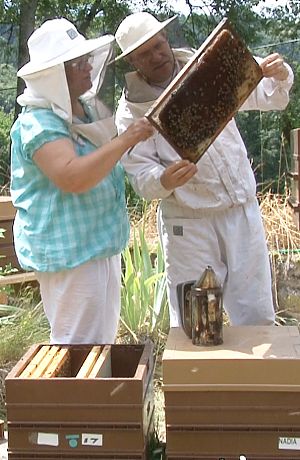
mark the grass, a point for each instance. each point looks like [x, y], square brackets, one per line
[21, 325]
[283, 237]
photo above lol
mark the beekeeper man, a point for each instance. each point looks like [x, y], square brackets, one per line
[208, 213]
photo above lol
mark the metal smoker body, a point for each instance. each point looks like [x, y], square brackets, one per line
[207, 310]
[201, 308]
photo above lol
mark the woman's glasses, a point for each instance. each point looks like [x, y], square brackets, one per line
[81, 62]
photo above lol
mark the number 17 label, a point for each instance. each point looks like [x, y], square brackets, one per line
[89, 439]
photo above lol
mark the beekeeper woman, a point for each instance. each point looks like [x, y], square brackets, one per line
[67, 184]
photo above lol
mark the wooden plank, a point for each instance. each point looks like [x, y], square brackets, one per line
[3, 298]
[44, 363]
[7, 209]
[102, 367]
[89, 362]
[17, 278]
[7, 227]
[57, 364]
[30, 368]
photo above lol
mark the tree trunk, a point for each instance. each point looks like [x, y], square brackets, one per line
[26, 27]
[90, 13]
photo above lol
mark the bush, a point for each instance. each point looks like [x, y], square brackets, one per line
[5, 125]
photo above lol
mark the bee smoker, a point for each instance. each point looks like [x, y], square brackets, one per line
[206, 310]
[201, 306]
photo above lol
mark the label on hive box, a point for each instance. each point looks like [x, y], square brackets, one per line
[47, 439]
[92, 439]
[289, 443]
[241, 457]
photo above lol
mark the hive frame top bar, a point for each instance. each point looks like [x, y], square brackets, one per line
[153, 113]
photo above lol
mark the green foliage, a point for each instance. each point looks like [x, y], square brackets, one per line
[137, 206]
[204, 17]
[262, 136]
[21, 325]
[290, 118]
[4, 271]
[8, 88]
[267, 138]
[92, 18]
[5, 125]
[8, 44]
[144, 303]
[283, 20]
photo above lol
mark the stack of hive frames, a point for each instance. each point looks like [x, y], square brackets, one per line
[206, 94]
[7, 216]
[294, 175]
[239, 398]
[81, 401]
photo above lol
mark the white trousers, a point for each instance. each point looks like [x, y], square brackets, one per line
[233, 243]
[83, 304]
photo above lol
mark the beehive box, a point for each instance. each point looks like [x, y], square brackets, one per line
[7, 250]
[80, 401]
[241, 397]
[74, 456]
[235, 457]
[206, 93]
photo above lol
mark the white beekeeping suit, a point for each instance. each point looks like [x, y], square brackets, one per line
[214, 219]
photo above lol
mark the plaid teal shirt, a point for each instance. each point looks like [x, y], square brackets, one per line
[54, 230]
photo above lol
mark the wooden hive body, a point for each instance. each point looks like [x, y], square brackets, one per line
[241, 397]
[81, 401]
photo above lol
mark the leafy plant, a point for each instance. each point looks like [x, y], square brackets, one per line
[144, 303]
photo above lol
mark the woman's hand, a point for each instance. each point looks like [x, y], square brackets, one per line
[138, 131]
[273, 66]
[177, 174]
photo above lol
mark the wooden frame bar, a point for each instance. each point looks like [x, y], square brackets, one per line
[34, 363]
[89, 362]
[45, 362]
[102, 367]
[58, 362]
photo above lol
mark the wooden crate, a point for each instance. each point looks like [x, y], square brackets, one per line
[241, 397]
[83, 399]
[7, 250]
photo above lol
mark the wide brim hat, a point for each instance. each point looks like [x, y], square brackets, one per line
[58, 41]
[136, 29]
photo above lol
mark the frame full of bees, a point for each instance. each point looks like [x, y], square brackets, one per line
[206, 93]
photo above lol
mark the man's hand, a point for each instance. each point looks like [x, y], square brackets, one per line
[177, 174]
[273, 66]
